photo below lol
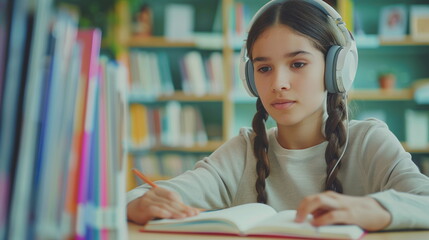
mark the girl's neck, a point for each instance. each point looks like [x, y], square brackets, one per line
[303, 135]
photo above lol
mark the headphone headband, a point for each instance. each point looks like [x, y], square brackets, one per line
[341, 61]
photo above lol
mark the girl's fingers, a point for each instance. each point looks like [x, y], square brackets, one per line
[331, 217]
[158, 212]
[333, 208]
[316, 205]
[171, 202]
[166, 194]
[158, 203]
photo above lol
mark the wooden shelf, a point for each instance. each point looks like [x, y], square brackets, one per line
[161, 42]
[209, 147]
[408, 41]
[382, 95]
[177, 96]
[415, 150]
[374, 41]
[183, 97]
[359, 94]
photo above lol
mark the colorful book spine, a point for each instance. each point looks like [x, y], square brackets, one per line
[91, 40]
[93, 220]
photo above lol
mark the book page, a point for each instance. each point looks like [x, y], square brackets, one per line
[283, 224]
[280, 222]
[230, 220]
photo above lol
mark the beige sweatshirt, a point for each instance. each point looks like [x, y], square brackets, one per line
[375, 163]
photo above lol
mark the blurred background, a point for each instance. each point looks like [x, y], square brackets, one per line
[195, 46]
[90, 89]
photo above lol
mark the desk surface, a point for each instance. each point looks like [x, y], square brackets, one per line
[135, 234]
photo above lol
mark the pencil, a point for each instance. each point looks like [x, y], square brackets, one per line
[144, 178]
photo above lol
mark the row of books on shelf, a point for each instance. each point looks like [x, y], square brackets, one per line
[173, 124]
[239, 13]
[167, 165]
[151, 73]
[62, 123]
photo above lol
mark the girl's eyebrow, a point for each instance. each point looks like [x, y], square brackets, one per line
[287, 55]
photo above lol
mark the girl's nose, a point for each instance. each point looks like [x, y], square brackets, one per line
[281, 80]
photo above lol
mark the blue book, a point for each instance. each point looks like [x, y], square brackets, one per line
[165, 71]
[11, 105]
[32, 96]
[54, 144]
[4, 178]
[41, 129]
[92, 232]
[4, 35]
[67, 133]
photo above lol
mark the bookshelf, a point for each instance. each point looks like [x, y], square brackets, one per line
[210, 37]
[236, 108]
[404, 58]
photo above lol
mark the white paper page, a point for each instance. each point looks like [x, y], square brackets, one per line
[282, 221]
[283, 224]
[241, 216]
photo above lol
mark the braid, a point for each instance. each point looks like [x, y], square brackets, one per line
[260, 149]
[336, 135]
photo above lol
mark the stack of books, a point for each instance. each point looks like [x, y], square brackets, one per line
[62, 168]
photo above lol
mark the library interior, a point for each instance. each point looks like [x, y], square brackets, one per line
[92, 89]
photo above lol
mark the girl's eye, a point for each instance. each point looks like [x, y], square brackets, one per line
[298, 65]
[264, 69]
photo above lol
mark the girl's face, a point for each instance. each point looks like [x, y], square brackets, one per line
[289, 76]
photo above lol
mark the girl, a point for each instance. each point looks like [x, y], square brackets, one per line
[315, 160]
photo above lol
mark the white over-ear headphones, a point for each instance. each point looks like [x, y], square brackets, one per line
[341, 61]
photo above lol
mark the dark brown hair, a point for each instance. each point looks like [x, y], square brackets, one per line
[312, 23]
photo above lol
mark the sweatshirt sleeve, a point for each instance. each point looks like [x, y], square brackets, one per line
[409, 211]
[213, 182]
[394, 179]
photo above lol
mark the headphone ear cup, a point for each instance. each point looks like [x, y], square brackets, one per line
[246, 73]
[331, 80]
[348, 58]
[340, 69]
[250, 79]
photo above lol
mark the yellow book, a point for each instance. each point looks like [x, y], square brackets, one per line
[139, 125]
[345, 9]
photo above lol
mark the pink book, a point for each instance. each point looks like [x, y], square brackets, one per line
[91, 42]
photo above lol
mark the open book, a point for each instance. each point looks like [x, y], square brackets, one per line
[253, 219]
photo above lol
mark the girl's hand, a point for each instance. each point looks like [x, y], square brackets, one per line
[158, 203]
[334, 208]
